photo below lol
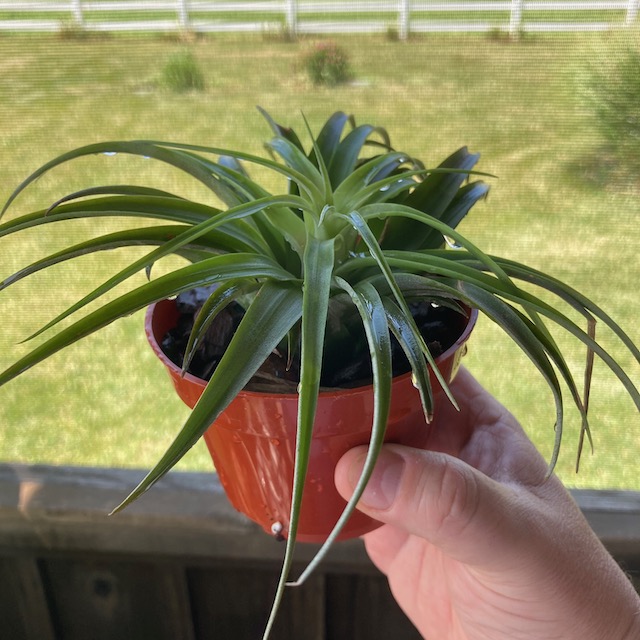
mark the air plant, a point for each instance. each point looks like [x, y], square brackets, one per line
[358, 228]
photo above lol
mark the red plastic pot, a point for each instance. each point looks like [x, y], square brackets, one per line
[252, 442]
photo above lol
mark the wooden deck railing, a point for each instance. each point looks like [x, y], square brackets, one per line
[181, 564]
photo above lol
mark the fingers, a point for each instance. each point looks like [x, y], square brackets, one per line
[459, 542]
[440, 498]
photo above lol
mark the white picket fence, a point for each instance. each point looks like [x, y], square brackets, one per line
[309, 17]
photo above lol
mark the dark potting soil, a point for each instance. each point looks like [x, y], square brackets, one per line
[346, 364]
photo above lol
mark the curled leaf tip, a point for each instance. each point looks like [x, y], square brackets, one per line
[294, 583]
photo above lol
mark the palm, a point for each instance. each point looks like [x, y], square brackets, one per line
[484, 575]
[444, 597]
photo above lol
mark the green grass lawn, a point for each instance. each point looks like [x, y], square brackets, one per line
[555, 206]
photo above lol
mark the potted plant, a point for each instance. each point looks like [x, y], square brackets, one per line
[360, 248]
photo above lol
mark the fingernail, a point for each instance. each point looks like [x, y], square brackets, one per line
[384, 482]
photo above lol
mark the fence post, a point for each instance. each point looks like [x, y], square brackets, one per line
[632, 12]
[291, 10]
[404, 19]
[515, 22]
[77, 12]
[183, 15]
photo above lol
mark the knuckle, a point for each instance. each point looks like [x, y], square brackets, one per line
[451, 500]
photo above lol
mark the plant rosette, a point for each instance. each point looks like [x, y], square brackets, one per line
[359, 234]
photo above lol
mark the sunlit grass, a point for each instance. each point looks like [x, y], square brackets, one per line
[97, 403]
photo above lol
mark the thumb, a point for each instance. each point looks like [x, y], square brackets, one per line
[440, 498]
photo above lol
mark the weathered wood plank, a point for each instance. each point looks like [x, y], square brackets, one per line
[614, 516]
[362, 608]
[65, 509]
[183, 551]
[234, 602]
[24, 611]
[102, 600]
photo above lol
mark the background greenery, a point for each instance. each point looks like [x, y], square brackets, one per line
[106, 401]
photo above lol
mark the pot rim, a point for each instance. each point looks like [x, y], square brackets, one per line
[148, 325]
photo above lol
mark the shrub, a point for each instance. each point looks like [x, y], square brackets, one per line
[327, 64]
[72, 30]
[393, 35]
[278, 33]
[181, 73]
[612, 91]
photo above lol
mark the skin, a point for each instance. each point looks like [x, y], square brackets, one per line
[479, 544]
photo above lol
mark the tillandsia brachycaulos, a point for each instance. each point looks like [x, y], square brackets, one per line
[356, 222]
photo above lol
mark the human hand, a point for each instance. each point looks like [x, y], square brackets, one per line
[478, 544]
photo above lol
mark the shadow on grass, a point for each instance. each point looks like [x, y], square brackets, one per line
[607, 168]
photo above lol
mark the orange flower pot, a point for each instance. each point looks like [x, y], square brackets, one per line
[252, 443]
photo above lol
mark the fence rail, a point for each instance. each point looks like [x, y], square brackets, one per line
[307, 17]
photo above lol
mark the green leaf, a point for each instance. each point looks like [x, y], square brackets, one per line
[403, 331]
[534, 344]
[173, 209]
[206, 272]
[181, 156]
[329, 138]
[389, 190]
[377, 254]
[318, 264]
[433, 196]
[437, 190]
[349, 194]
[456, 265]
[113, 190]
[227, 185]
[226, 293]
[322, 168]
[571, 296]
[394, 210]
[284, 132]
[346, 156]
[143, 148]
[212, 242]
[302, 171]
[454, 214]
[273, 312]
[190, 235]
[374, 319]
